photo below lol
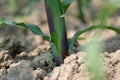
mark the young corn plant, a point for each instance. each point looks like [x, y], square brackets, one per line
[82, 4]
[55, 10]
[13, 6]
[95, 47]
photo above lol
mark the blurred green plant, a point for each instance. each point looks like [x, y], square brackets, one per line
[82, 5]
[95, 46]
[13, 6]
[109, 8]
[102, 14]
[3, 44]
[93, 52]
[29, 8]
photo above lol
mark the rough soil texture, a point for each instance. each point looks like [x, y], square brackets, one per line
[36, 66]
[75, 67]
[26, 56]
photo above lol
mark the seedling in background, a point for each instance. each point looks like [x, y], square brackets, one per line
[95, 47]
[93, 51]
[56, 10]
[82, 4]
[13, 6]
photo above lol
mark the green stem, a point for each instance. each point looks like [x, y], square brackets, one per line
[57, 30]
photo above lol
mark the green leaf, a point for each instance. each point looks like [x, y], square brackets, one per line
[66, 4]
[80, 38]
[78, 33]
[34, 28]
[6, 21]
[3, 44]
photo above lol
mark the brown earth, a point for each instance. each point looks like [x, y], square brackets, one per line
[36, 66]
[26, 56]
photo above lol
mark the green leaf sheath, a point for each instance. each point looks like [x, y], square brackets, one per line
[34, 28]
[77, 34]
[57, 29]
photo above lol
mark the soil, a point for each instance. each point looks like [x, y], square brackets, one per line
[25, 56]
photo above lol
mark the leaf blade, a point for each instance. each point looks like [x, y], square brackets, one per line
[34, 28]
[78, 33]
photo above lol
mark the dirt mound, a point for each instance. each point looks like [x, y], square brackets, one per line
[37, 66]
[74, 67]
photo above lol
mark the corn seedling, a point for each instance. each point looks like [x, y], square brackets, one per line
[29, 8]
[109, 8]
[55, 10]
[13, 6]
[82, 4]
[95, 47]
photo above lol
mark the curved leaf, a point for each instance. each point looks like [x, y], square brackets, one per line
[34, 28]
[66, 4]
[77, 34]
